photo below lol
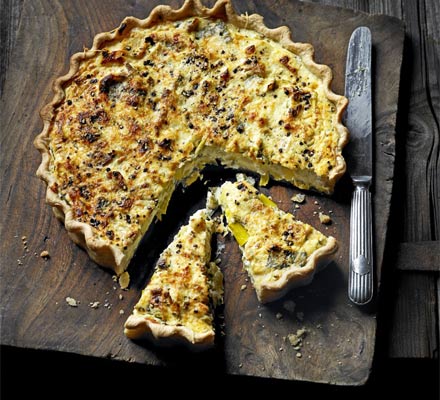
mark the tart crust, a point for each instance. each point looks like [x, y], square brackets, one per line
[137, 327]
[110, 255]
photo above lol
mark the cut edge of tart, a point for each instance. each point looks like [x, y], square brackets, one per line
[117, 258]
[178, 302]
[279, 252]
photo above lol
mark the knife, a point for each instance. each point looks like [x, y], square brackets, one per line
[358, 120]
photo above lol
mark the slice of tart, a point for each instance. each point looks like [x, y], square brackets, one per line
[155, 100]
[177, 303]
[278, 251]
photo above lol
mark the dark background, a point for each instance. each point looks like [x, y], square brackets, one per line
[48, 375]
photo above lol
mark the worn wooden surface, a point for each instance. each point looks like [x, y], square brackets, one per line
[39, 317]
[419, 256]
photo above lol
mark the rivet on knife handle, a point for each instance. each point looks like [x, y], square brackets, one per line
[360, 281]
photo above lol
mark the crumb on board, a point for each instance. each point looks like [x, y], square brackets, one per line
[94, 304]
[220, 249]
[45, 254]
[72, 302]
[298, 198]
[324, 218]
[243, 287]
[279, 315]
[296, 339]
[121, 312]
[124, 280]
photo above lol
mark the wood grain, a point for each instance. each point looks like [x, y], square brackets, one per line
[419, 256]
[414, 288]
[339, 346]
[421, 188]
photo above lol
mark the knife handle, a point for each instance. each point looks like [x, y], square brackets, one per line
[360, 280]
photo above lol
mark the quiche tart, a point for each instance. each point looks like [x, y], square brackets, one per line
[155, 100]
[278, 251]
[185, 286]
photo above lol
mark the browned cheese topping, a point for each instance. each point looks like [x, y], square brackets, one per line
[156, 104]
[185, 286]
[272, 241]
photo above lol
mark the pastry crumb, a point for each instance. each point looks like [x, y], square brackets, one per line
[298, 198]
[243, 287]
[94, 304]
[324, 218]
[296, 339]
[121, 312]
[279, 316]
[72, 302]
[45, 254]
[298, 355]
[120, 297]
[124, 280]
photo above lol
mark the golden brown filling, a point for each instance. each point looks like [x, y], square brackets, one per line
[185, 286]
[271, 239]
[157, 103]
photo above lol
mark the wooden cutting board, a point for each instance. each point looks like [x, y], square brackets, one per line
[339, 344]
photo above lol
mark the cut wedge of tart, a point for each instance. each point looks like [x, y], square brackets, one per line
[278, 251]
[177, 304]
[155, 100]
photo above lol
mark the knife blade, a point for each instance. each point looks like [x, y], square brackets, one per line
[359, 155]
